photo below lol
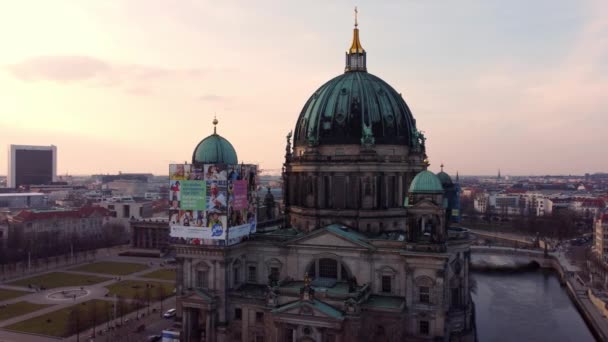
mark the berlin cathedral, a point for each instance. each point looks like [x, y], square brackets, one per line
[366, 251]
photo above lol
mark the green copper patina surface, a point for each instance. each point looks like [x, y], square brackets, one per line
[426, 182]
[355, 108]
[445, 179]
[214, 149]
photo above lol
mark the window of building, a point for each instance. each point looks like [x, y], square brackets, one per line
[252, 274]
[235, 275]
[424, 327]
[127, 211]
[288, 335]
[386, 284]
[425, 294]
[275, 272]
[328, 268]
[202, 279]
[455, 297]
[259, 317]
[238, 314]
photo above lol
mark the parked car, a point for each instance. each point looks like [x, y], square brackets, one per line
[154, 338]
[170, 313]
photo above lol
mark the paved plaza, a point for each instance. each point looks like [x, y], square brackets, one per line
[54, 299]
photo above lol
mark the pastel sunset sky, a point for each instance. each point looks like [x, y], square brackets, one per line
[132, 85]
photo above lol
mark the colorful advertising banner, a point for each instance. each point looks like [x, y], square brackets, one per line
[214, 227]
[238, 194]
[217, 196]
[237, 234]
[214, 204]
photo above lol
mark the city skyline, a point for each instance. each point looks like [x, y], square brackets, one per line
[519, 85]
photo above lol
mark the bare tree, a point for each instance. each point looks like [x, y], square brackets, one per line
[137, 300]
[121, 305]
[147, 295]
[92, 314]
[74, 318]
[161, 294]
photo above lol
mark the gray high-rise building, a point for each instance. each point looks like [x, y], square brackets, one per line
[28, 165]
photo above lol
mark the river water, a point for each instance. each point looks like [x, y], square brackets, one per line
[528, 306]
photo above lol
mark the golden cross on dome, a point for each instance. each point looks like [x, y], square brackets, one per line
[356, 12]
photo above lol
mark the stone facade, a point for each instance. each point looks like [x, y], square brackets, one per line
[363, 255]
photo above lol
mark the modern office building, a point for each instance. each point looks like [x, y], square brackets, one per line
[31, 165]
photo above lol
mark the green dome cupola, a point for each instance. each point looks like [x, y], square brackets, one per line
[356, 108]
[446, 180]
[426, 182]
[214, 149]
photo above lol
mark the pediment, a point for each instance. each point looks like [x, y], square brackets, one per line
[313, 308]
[425, 204]
[327, 238]
[306, 310]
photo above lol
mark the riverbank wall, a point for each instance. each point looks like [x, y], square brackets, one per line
[575, 287]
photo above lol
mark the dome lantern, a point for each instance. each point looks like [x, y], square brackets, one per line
[356, 55]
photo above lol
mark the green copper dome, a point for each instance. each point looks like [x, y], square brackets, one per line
[426, 182]
[445, 179]
[352, 106]
[214, 149]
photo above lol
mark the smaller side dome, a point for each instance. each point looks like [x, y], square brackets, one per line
[445, 179]
[426, 182]
[214, 149]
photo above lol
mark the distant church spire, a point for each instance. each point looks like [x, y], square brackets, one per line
[356, 56]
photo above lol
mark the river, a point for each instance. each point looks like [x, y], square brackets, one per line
[527, 306]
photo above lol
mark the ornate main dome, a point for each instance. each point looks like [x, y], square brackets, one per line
[356, 108]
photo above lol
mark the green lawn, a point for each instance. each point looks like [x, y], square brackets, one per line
[130, 288]
[59, 279]
[114, 268]
[20, 308]
[62, 323]
[9, 294]
[162, 274]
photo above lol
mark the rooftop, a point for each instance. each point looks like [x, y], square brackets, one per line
[22, 194]
[386, 302]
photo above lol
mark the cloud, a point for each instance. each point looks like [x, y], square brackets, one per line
[59, 68]
[213, 98]
[133, 79]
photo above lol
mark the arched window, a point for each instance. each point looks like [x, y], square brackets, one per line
[328, 268]
[424, 287]
[236, 273]
[201, 276]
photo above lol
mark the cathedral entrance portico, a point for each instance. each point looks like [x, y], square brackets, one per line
[198, 321]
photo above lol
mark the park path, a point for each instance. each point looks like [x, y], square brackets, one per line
[97, 291]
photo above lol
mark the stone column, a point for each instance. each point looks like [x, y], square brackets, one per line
[208, 327]
[187, 324]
